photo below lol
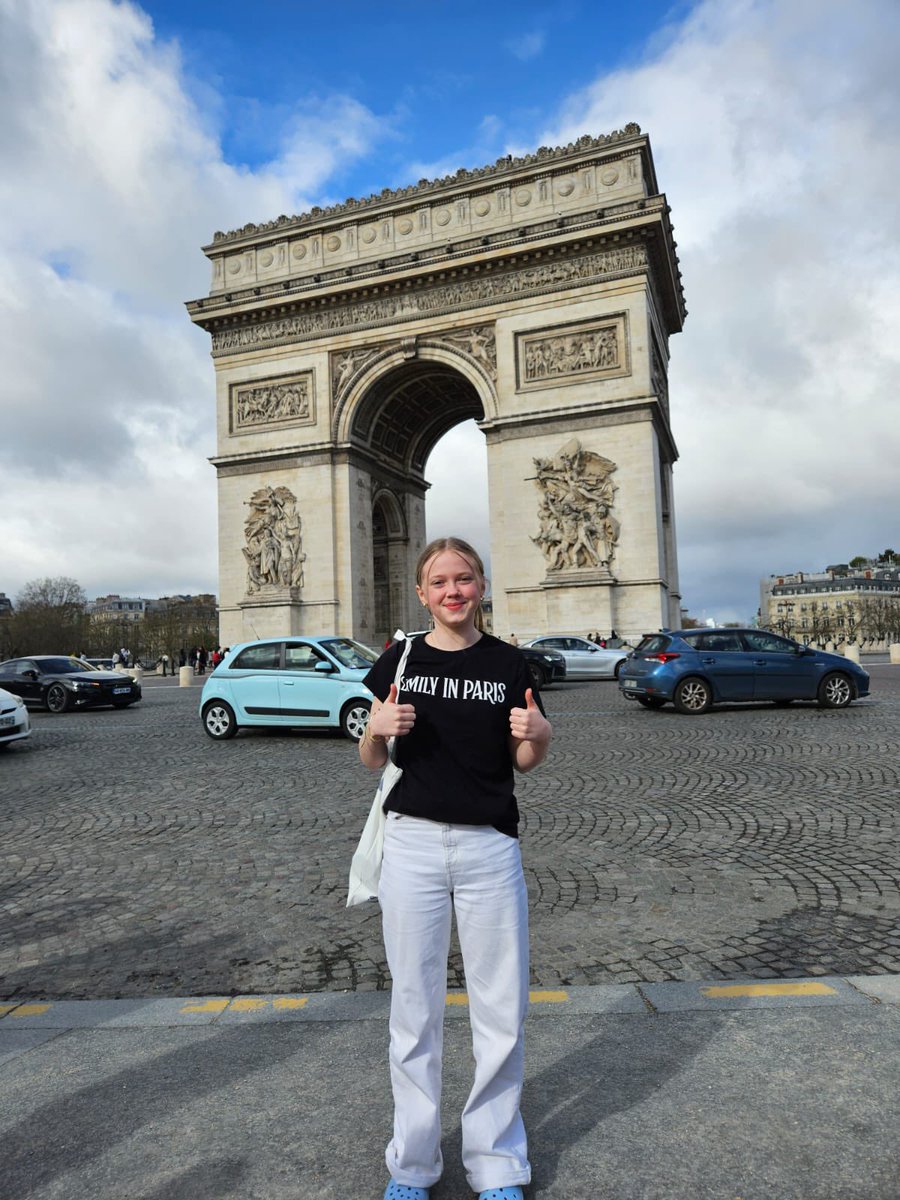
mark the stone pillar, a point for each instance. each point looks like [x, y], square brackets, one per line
[185, 676]
[851, 651]
[894, 651]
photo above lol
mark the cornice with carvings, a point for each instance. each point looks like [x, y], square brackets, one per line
[545, 156]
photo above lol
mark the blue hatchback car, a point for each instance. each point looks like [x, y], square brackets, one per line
[696, 668]
[300, 682]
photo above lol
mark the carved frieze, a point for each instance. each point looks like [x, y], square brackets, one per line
[574, 353]
[500, 285]
[272, 403]
[273, 545]
[578, 531]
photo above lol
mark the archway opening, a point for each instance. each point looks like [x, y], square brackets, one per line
[457, 503]
[399, 423]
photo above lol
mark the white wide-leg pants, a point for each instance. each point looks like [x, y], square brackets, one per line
[428, 869]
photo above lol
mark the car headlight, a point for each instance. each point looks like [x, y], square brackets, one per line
[20, 703]
[548, 658]
[83, 685]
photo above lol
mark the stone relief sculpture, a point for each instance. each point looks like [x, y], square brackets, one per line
[590, 350]
[577, 528]
[432, 300]
[346, 363]
[479, 343]
[265, 403]
[274, 548]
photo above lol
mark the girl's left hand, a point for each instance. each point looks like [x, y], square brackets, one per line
[529, 724]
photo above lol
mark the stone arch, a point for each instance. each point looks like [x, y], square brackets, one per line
[537, 296]
[426, 358]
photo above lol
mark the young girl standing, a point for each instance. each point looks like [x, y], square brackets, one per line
[465, 717]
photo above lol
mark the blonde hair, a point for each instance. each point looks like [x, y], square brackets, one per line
[458, 546]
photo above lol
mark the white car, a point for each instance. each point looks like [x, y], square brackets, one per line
[15, 723]
[584, 659]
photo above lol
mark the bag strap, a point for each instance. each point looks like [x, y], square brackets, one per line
[398, 675]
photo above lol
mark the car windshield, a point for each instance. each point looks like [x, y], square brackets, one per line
[351, 654]
[62, 666]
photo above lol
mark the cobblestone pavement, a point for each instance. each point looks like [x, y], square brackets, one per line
[137, 857]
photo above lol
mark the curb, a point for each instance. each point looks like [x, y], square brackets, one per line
[645, 999]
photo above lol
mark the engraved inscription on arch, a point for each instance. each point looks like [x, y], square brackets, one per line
[575, 353]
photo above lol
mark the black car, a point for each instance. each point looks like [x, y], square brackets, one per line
[545, 666]
[58, 683]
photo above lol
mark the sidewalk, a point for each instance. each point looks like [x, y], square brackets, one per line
[684, 1091]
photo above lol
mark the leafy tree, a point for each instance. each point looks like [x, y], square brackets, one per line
[858, 562]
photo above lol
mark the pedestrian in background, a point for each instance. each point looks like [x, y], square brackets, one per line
[464, 716]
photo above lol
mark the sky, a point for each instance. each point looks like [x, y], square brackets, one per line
[132, 132]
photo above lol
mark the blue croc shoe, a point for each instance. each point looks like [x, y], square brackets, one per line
[504, 1193]
[400, 1191]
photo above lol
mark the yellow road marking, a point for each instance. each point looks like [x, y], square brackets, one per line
[542, 997]
[290, 1001]
[209, 1006]
[31, 1010]
[6, 1008]
[727, 991]
[247, 1004]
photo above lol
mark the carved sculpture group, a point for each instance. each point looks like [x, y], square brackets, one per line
[274, 547]
[272, 402]
[577, 529]
[591, 350]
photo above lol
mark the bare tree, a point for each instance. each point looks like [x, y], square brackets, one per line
[49, 618]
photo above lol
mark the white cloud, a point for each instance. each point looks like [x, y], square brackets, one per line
[776, 133]
[110, 181]
[526, 46]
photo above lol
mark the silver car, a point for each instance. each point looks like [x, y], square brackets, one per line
[584, 659]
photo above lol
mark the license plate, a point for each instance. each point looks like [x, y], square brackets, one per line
[120, 691]
[630, 683]
[7, 720]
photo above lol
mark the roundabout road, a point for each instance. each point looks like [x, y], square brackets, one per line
[138, 857]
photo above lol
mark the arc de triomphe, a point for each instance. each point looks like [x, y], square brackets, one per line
[537, 296]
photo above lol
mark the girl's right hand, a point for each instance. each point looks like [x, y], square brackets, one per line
[391, 719]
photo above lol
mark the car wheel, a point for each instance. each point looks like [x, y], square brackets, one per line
[617, 668]
[835, 691]
[58, 698]
[538, 678]
[354, 719]
[693, 696]
[219, 721]
[650, 701]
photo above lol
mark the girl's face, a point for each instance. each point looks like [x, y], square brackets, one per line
[452, 589]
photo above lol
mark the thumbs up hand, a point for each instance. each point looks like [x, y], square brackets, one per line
[529, 724]
[391, 719]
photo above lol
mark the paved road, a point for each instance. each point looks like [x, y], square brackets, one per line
[138, 858]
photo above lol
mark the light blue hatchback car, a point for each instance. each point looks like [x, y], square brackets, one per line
[300, 682]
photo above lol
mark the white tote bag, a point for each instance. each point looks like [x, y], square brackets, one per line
[365, 866]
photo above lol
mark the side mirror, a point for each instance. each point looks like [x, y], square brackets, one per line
[30, 673]
[325, 668]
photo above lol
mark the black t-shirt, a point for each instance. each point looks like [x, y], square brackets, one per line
[457, 767]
